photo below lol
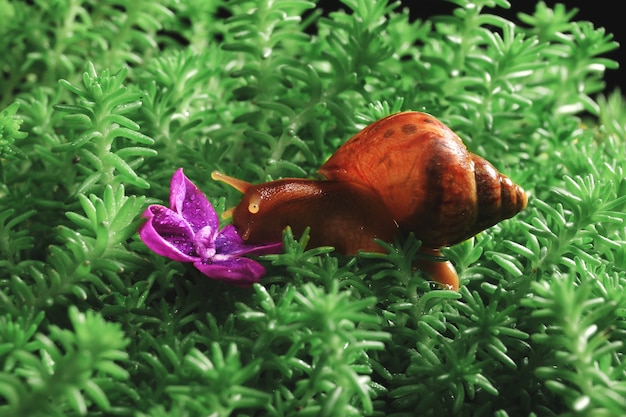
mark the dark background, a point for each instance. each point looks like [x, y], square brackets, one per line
[602, 13]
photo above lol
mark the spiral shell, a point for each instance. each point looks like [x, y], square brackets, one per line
[431, 184]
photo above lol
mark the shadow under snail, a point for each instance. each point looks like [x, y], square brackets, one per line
[406, 172]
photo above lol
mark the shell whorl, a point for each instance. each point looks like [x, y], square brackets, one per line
[498, 197]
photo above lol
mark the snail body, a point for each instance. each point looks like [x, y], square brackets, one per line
[407, 172]
[327, 206]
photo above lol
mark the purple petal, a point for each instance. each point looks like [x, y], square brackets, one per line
[204, 243]
[168, 234]
[229, 242]
[239, 271]
[191, 203]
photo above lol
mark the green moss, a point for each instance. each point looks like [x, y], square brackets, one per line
[101, 101]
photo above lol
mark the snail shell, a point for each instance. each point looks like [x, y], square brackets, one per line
[431, 184]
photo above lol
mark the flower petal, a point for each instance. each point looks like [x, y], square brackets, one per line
[229, 242]
[191, 203]
[168, 234]
[204, 243]
[239, 271]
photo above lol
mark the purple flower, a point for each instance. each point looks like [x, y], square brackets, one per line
[189, 232]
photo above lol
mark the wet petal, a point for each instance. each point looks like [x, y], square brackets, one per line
[204, 243]
[239, 271]
[168, 234]
[191, 203]
[229, 242]
[188, 232]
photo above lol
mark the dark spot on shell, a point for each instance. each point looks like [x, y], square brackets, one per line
[409, 129]
[389, 133]
[385, 160]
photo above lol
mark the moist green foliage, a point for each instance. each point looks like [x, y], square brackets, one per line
[101, 101]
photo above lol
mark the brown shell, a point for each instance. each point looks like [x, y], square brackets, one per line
[431, 184]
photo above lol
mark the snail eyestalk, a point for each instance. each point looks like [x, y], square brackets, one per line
[254, 204]
[237, 184]
[228, 213]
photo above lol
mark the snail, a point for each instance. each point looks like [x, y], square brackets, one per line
[406, 172]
